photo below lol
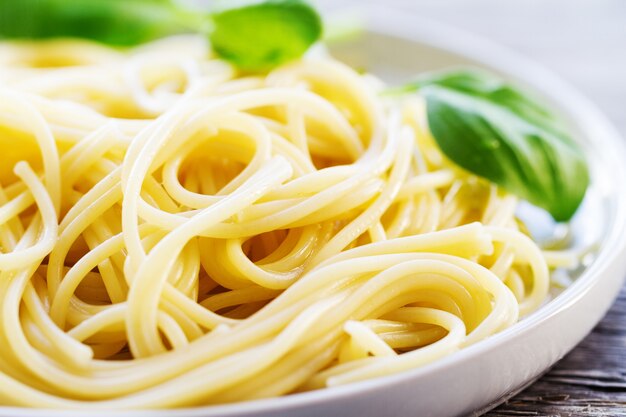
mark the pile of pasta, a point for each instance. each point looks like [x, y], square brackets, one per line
[174, 233]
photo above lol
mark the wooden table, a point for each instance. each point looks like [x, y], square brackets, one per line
[583, 41]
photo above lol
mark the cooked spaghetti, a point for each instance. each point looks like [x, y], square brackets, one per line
[176, 234]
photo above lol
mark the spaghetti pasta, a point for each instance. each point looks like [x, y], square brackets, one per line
[174, 233]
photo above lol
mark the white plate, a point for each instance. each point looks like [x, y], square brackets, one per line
[395, 47]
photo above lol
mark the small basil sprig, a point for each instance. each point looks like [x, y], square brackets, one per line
[493, 130]
[253, 35]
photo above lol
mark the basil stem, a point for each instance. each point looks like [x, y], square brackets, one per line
[254, 35]
[493, 130]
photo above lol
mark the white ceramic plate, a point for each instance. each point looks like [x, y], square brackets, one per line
[475, 379]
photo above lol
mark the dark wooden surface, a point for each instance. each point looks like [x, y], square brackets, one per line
[583, 41]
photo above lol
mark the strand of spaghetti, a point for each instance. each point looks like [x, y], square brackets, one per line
[233, 122]
[10, 227]
[286, 375]
[142, 304]
[379, 206]
[211, 377]
[94, 206]
[34, 121]
[60, 301]
[27, 256]
[14, 207]
[65, 345]
[319, 201]
[384, 366]
[369, 340]
[527, 251]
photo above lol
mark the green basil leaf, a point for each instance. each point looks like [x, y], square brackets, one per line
[260, 35]
[114, 22]
[496, 132]
[479, 83]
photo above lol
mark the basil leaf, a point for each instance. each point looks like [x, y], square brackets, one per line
[114, 22]
[262, 35]
[496, 132]
[482, 84]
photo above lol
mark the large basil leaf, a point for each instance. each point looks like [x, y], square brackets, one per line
[495, 131]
